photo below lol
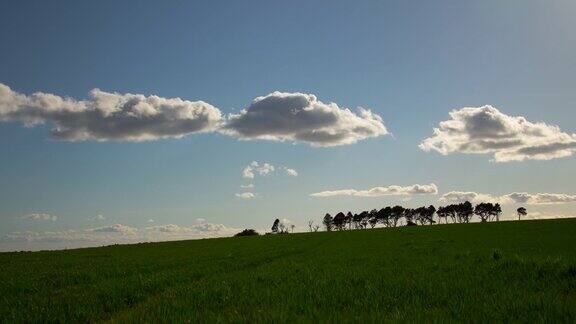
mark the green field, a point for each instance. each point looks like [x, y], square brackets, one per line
[507, 271]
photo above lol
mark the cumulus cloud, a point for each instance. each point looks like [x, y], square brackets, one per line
[109, 116]
[302, 117]
[381, 191]
[257, 168]
[246, 195]
[512, 198]
[486, 130]
[291, 172]
[247, 186]
[263, 168]
[40, 217]
[461, 196]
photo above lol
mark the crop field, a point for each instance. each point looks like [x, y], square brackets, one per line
[505, 271]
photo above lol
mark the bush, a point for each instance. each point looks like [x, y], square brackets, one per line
[247, 232]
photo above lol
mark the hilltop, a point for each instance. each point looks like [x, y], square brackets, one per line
[504, 271]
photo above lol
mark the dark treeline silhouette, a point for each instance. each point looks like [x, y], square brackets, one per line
[247, 232]
[393, 216]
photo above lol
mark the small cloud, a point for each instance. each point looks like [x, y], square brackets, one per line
[247, 186]
[97, 218]
[116, 228]
[40, 217]
[150, 221]
[291, 172]
[246, 195]
[257, 168]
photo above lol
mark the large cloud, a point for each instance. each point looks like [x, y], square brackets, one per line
[381, 191]
[512, 198]
[485, 130]
[302, 117]
[109, 116]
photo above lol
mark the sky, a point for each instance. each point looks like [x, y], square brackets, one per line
[139, 121]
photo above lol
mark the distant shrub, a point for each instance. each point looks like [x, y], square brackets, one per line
[247, 232]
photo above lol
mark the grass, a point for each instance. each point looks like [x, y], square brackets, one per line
[498, 272]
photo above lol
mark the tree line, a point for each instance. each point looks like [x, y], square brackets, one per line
[392, 216]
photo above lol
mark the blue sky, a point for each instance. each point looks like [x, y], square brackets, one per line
[410, 63]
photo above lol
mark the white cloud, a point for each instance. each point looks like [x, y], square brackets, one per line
[135, 117]
[485, 130]
[97, 218]
[247, 186]
[200, 229]
[461, 196]
[512, 198]
[40, 217]
[113, 234]
[302, 117]
[116, 228]
[109, 116]
[540, 198]
[246, 195]
[257, 168]
[291, 172]
[381, 191]
[544, 215]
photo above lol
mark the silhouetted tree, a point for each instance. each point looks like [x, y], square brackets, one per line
[357, 219]
[442, 212]
[310, 224]
[486, 211]
[275, 226]
[465, 211]
[327, 221]
[429, 214]
[496, 211]
[521, 212]
[365, 216]
[384, 215]
[349, 219]
[339, 221]
[373, 218]
[292, 227]
[409, 215]
[397, 213]
[247, 232]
